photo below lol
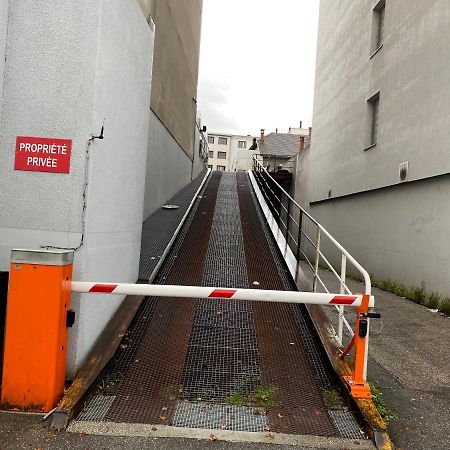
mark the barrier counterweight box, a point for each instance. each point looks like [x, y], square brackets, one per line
[36, 329]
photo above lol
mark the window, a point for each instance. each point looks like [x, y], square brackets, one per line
[374, 107]
[209, 167]
[223, 141]
[242, 144]
[221, 168]
[210, 154]
[210, 139]
[222, 155]
[378, 26]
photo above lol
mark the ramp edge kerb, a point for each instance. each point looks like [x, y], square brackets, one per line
[167, 431]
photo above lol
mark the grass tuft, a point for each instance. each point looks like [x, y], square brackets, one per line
[445, 306]
[384, 411]
[434, 301]
[417, 295]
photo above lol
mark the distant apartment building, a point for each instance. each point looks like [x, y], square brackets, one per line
[219, 151]
[377, 173]
[229, 152]
[117, 81]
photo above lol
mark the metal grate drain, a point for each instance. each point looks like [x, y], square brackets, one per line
[221, 417]
[97, 408]
[346, 424]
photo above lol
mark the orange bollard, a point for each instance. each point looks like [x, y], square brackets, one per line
[359, 388]
[36, 329]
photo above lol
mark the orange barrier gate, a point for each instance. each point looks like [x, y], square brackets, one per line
[37, 318]
[38, 314]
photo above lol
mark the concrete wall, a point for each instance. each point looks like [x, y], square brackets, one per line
[71, 65]
[412, 73]
[396, 229]
[3, 34]
[398, 233]
[176, 62]
[168, 167]
[173, 137]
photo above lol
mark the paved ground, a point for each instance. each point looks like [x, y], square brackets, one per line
[20, 431]
[410, 364]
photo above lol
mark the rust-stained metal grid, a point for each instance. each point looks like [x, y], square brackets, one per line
[214, 370]
[144, 375]
[284, 360]
[180, 349]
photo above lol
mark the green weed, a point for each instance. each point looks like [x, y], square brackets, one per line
[434, 301]
[332, 399]
[262, 397]
[445, 306]
[384, 411]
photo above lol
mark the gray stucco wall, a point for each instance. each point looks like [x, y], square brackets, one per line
[396, 230]
[3, 34]
[168, 166]
[399, 233]
[412, 73]
[71, 65]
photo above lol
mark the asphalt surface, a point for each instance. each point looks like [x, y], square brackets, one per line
[409, 363]
[25, 431]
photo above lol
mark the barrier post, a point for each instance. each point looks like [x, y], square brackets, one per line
[359, 388]
[37, 318]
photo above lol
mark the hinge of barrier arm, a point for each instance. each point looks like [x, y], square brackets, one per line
[371, 315]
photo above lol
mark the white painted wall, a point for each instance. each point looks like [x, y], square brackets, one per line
[241, 159]
[3, 34]
[69, 66]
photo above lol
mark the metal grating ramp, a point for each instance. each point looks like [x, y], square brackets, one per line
[215, 370]
[223, 364]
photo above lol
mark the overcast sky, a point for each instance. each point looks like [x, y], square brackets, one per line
[257, 64]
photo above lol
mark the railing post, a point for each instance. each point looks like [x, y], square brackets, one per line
[359, 388]
[316, 265]
[288, 218]
[342, 291]
[299, 243]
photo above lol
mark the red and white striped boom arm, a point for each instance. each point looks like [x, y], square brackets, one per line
[156, 290]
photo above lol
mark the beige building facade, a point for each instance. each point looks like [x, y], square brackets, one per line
[377, 173]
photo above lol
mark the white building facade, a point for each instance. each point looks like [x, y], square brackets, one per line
[229, 152]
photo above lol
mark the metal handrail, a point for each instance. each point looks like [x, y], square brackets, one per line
[364, 273]
[284, 218]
